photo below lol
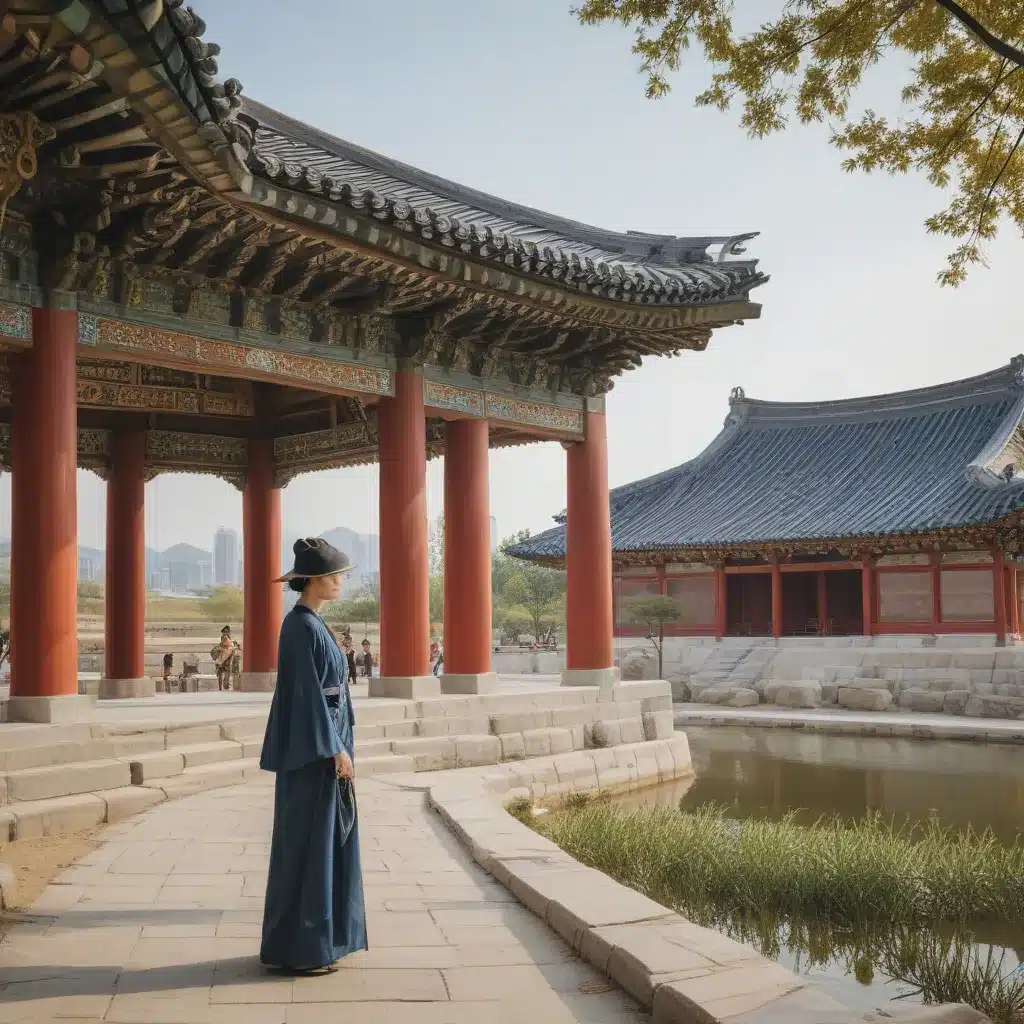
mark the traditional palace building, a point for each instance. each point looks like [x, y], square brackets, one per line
[190, 282]
[887, 515]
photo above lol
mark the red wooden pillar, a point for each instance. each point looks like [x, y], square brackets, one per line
[1013, 596]
[467, 560]
[589, 658]
[721, 602]
[404, 560]
[262, 598]
[867, 588]
[125, 606]
[777, 611]
[822, 603]
[999, 593]
[44, 521]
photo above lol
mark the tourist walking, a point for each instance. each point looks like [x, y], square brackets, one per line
[314, 912]
[366, 660]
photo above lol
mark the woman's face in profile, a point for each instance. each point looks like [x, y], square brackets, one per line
[325, 588]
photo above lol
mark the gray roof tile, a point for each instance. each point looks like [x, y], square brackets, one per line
[624, 266]
[910, 462]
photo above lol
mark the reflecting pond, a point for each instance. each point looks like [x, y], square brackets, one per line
[767, 773]
[763, 773]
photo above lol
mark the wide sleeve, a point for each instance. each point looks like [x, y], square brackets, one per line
[300, 728]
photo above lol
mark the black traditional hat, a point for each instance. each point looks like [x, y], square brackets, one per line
[314, 557]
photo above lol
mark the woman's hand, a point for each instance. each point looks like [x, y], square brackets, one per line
[343, 766]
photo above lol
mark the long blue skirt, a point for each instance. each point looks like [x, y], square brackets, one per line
[314, 912]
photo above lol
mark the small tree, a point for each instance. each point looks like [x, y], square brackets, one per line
[514, 622]
[225, 604]
[364, 608]
[653, 612]
[540, 591]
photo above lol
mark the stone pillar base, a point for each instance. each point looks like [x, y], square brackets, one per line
[405, 687]
[119, 689]
[51, 710]
[469, 682]
[256, 682]
[591, 676]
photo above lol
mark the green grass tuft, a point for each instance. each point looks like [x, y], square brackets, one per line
[908, 901]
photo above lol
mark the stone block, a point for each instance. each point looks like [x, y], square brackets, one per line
[240, 729]
[398, 730]
[561, 741]
[477, 750]
[198, 780]
[856, 699]
[607, 734]
[729, 696]
[67, 780]
[513, 746]
[121, 689]
[429, 753]
[580, 714]
[8, 826]
[128, 801]
[56, 710]
[479, 682]
[658, 725]
[158, 765]
[390, 765]
[537, 742]
[520, 722]
[922, 700]
[602, 677]
[579, 737]
[405, 687]
[829, 693]
[714, 996]
[197, 754]
[973, 659]
[631, 730]
[798, 695]
[35, 819]
[189, 735]
[994, 706]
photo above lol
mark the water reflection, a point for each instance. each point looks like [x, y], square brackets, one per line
[766, 773]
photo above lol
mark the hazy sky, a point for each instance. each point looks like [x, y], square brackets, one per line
[520, 101]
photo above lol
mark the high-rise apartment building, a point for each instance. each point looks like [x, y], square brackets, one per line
[225, 557]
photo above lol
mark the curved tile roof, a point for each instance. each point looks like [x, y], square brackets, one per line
[624, 266]
[909, 462]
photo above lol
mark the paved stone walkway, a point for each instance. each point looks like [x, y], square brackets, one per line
[160, 925]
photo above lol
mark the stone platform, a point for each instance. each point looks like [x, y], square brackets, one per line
[136, 753]
[471, 916]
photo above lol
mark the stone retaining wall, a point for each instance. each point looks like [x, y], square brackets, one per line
[679, 972]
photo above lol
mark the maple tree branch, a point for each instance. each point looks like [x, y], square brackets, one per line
[1004, 49]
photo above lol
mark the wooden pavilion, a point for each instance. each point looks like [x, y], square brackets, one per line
[191, 282]
[896, 514]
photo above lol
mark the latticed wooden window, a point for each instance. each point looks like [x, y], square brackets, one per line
[695, 595]
[968, 595]
[905, 596]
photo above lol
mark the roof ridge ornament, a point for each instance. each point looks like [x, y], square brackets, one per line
[737, 395]
[1017, 368]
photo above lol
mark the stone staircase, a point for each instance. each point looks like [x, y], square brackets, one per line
[735, 663]
[74, 777]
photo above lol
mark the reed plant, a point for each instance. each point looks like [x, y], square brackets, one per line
[911, 902]
[868, 871]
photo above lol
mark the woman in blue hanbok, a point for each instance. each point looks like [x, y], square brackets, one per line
[314, 913]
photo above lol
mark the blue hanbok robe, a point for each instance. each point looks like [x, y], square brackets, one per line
[314, 912]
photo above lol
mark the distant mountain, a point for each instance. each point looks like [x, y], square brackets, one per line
[363, 549]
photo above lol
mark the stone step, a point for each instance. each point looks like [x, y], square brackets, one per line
[197, 754]
[45, 755]
[387, 765]
[64, 780]
[36, 819]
